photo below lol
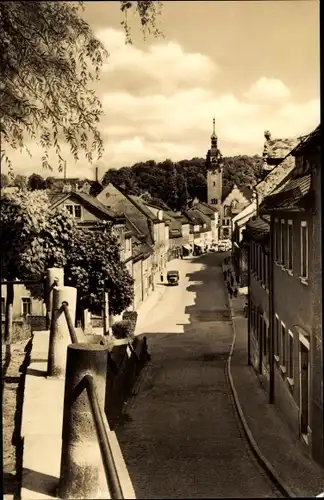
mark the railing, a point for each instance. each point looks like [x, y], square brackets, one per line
[106, 453]
[65, 308]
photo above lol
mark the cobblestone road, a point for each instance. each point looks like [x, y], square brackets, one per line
[180, 436]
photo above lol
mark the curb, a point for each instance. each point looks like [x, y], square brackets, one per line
[263, 461]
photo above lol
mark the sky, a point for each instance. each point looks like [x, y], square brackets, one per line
[254, 66]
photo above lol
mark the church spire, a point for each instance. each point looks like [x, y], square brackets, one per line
[213, 136]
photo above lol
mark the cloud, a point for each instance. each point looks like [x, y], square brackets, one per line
[163, 67]
[159, 103]
[267, 91]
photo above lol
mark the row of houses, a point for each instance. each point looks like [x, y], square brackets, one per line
[149, 235]
[277, 249]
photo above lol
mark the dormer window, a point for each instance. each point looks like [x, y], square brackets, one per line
[74, 210]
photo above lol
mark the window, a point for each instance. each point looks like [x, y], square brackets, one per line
[223, 222]
[265, 338]
[226, 231]
[77, 211]
[74, 210]
[25, 306]
[304, 250]
[276, 335]
[266, 263]
[252, 257]
[290, 363]
[214, 183]
[214, 201]
[262, 267]
[283, 345]
[252, 316]
[282, 243]
[276, 240]
[290, 246]
[3, 306]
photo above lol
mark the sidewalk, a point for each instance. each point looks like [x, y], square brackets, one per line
[155, 296]
[274, 438]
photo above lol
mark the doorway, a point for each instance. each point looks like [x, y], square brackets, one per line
[304, 388]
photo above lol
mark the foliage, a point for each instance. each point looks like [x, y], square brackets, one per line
[4, 182]
[176, 184]
[36, 181]
[132, 317]
[20, 181]
[49, 60]
[93, 265]
[33, 237]
[122, 329]
[147, 11]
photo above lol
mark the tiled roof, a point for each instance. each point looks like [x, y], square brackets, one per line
[205, 208]
[195, 216]
[275, 177]
[87, 200]
[141, 205]
[278, 148]
[294, 195]
[258, 228]
[309, 139]
[174, 224]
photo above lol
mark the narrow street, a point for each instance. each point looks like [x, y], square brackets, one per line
[180, 436]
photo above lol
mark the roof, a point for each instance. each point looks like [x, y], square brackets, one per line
[205, 208]
[276, 176]
[117, 200]
[294, 195]
[142, 206]
[308, 140]
[88, 201]
[278, 149]
[174, 225]
[258, 228]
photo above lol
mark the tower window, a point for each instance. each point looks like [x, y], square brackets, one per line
[214, 201]
[214, 183]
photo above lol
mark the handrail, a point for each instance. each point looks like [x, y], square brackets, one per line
[65, 309]
[105, 449]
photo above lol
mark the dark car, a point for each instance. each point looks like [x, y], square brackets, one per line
[173, 277]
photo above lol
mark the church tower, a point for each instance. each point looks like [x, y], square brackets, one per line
[214, 164]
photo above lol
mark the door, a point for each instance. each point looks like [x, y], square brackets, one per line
[304, 388]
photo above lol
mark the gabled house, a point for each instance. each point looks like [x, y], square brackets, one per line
[211, 213]
[278, 162]
[285, 290]
[200, 230]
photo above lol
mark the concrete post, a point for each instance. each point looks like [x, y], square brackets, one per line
[82, 470]
[55, 277]
[60, 336]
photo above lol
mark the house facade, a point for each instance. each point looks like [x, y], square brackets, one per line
[285, 289]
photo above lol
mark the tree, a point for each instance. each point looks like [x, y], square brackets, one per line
[93, 265]
[49, 58]
[20, 181]
[4, 180]
[36, 181]
[33, 238]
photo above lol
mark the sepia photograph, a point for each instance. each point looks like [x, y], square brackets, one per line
[161, 249]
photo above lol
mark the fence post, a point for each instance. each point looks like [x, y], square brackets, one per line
[59, 333]
[54, 276]
[82, 471]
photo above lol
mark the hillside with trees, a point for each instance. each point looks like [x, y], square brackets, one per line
[175, 184]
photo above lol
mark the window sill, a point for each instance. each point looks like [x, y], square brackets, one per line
[304, 281]
[283, 369]
[276, 357]
[290, 381]
[289, 271]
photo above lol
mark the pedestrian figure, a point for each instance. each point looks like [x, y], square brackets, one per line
[235, 292]
[231, 280]
[230, 291]
[225, 274]
[161, 277]
[237, 279]
[225, 260]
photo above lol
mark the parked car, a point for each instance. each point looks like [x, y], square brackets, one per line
[173, 277]
[224, 245]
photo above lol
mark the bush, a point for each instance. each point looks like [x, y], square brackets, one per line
[132, 317]
[20, 331]
[122, 329]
